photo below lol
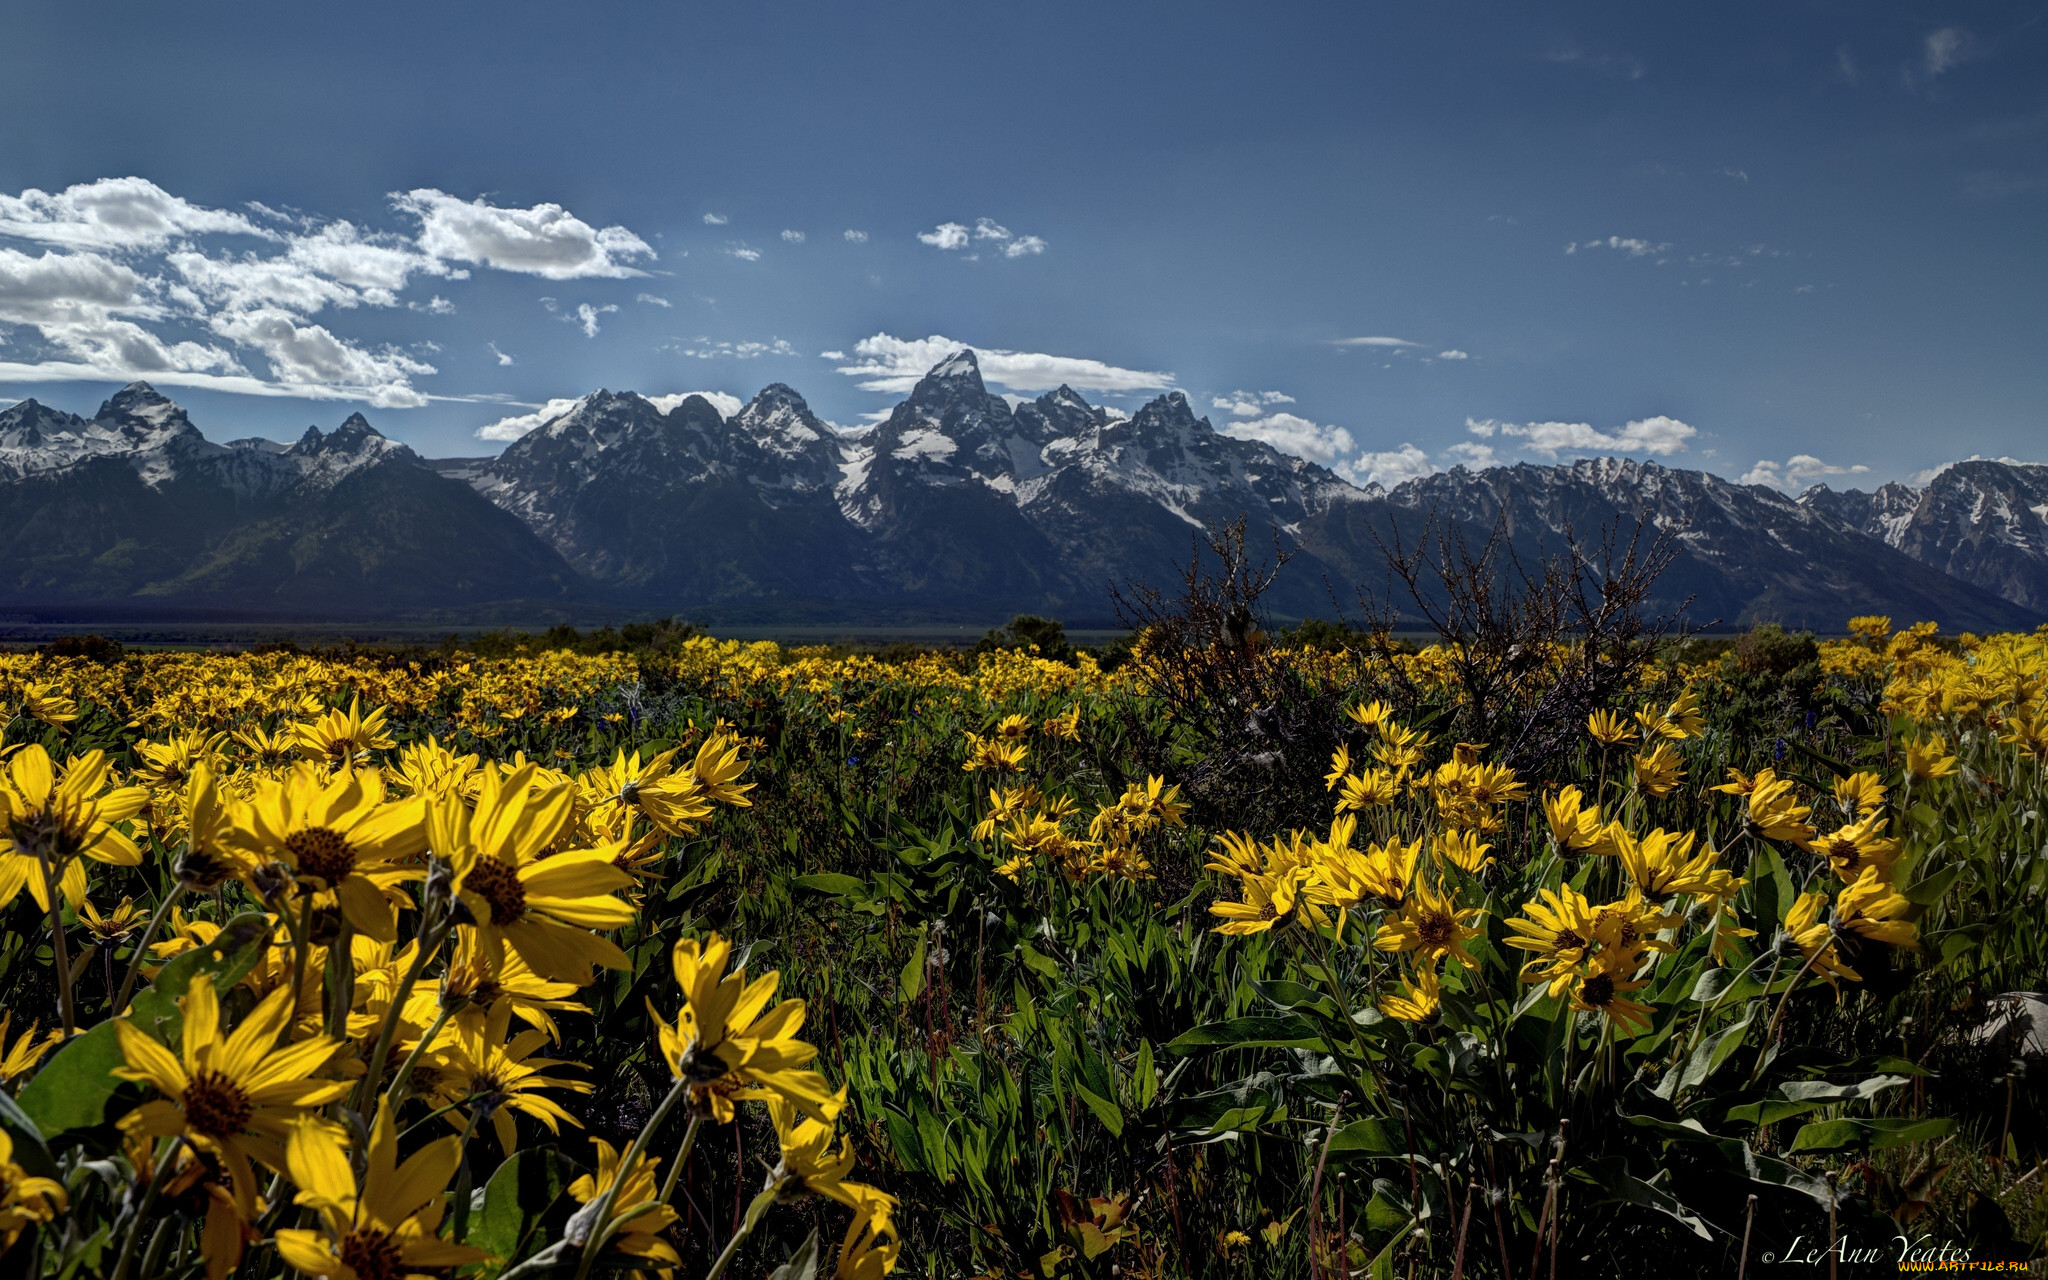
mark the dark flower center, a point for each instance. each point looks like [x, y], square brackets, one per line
[322, 853]
[216, 1105]
[1569, 940]
[1434, 930]
[373, 1255]
[497, 882]
[1598, 990]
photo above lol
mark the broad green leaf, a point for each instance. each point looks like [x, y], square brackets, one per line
[228, 959]
[803, 1264]
[518, 1195]
[1890, 1131]
[1715, 1050]
[1371, 1136]
[912, 979]
[831, 883]
[1612, 1175]
[1293, 1032]
[1037, 961]
[1929, 891]
[72, 1088]
[30, 1152]
[1105, 1110]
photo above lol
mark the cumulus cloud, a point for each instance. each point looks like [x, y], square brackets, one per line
[792, 237]
[990, 229]
[888, 363]
[520, 424]
[311, 355]
[855, 237]
[706, 349]
[586, 317]
[715, 219]
[947, 235]
[1473, 454]
[727, 405]
[1023, 246]
[545, 240]
[1654, 436]
[1388, 467]
[1796, 472]
[1290, 433]
[745, 253]
[1453, 354]
[1249, 404]
[115, 214]
[652, 300]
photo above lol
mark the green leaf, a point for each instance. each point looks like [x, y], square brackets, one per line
[72, 1089]
[1292, 1032]
[831, 883]
[1105, 1110]
[518, 1195]
[228, 959]
[29, 1150]
[1890, 1131]
[1037, 961]
[1715, 1050]
[803, 1264]
[912, 980]
[1929, 891]
[1612, 1175]
[1293, 995]
[1367, 1137]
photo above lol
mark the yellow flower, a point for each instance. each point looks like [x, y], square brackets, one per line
[1929, 760]
[391, 1228]
[1604, 990]
[43, 701]
[1416, 1000]
[542, 907]
[870, 1246]
[1662, 864]
[1267, 904]
[1682, 718]
[110, 929]
[473, 980]
[1558, 928]
[1013, 726]
[717, 768]
[1370, 715]
[1659, 770]
[343, 738]
[637, 1207]
[1340, 764]
[340, 837]
[484, 1070]
[24, 1200]
[167, 764]
[1367, 790]
[994, 754]
[48, 823]
[1870, 629]
[1463, 850]
[1774, 811]
[811, 1165]
[266, 749]
[1574, 824]
[1860, 794]
[20, 1058]
[1815, 938]
[1609, 729]
[1858, 846]
[1871, 908]
[1431, 924]
[728, 1048]
[1066, 726]
[233, 1096]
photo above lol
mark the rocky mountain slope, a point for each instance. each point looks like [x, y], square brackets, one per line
[1983, 521]
[958, 506]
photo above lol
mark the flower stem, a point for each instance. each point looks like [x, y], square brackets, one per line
[142, 1211]
[601, 1217]
[397, 1090]
[59, 951]
[668, 1188]
[156, 922]
[430, 942]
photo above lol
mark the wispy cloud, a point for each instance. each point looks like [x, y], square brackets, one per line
[953, 236]
[1633, 246]
[1796, 472]
[743, 251]
[1656, 436]
[586, 316]
[888, 363]
[1373, 342]
[1249, 404]
[504, 360]
[792, 237]
[705, 349]
[715, 219]
[1949, 48]
[652, 300]
[1621, 66]
[854, 236]
[947, 235]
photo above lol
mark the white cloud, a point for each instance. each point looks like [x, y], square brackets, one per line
[744, 253]
[1023, 245]
[715, 219]
[990, 229]
[1796, 472]
[514, 427]
[1387, 468]
[1453, 354]
[1473, 454]
[727, 405]
[309, 354]
[1633, 246]
[1727, 172]
[947, 235]
[115, 214]
[503, 359]
[1948, 48]
[856, 237]
[888, 363]
[1249, 404]
[652, 300]
[706, 349]
[546, 240]
[1655, 436]
[793, 237]
[1296, 435]
[586, 317]
[1373, 342]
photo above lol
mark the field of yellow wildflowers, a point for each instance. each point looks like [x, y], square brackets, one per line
[723, 959]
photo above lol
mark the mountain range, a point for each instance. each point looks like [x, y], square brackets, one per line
[959, 506]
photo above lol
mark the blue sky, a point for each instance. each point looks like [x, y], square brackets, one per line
[1772, 240]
